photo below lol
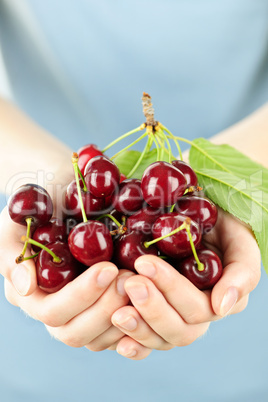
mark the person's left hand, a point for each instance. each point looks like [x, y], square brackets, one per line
[168, 310]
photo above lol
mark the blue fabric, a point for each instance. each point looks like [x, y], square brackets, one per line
[82, 76]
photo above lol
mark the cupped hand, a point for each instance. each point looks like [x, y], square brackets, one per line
[168, 310]
[80, 313]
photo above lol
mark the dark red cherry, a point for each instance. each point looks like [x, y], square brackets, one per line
[86, 153]
[176, 245]
[50, 232]
[128, 197]
[142, 220]
[207, 278]
[30, 201]
[111, 225]
[90, 242]
[122, 177]
[187, 170]
[102, 176]
[52, 276]
[129, 247]
[162, 184]
[203, 211]
[92, 205]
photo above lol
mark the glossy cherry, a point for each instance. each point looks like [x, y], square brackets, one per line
[143, 219]
[162, 184]
[129, 247]
[90, 242]
[176, 245]
[102, 176]
[207, 278]
[187, 170]
[51, 275]
[93, 206]
[128, 197]
[202, 210]
[50, 232]
[86, 153]
[30, 201]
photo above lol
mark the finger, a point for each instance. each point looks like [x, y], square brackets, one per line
[104, 341]
[159, 314]
[242, 265]
[22, 276]
[131, 323]
[131, 349]
[192, 304]
[58, 308]
[95, 320]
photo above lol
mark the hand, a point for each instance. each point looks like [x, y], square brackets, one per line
[168, 310]
[80, 313]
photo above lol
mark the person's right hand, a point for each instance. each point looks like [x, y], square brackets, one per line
[80, 313]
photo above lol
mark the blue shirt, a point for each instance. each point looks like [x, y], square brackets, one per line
[79, 69]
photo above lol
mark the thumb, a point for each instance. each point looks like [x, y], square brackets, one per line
[22, 276]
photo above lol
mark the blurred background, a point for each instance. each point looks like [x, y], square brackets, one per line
[79, 68]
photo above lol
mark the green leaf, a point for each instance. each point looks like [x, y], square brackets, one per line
[127, 159]
[235, 183]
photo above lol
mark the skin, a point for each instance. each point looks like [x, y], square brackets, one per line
[96, 314]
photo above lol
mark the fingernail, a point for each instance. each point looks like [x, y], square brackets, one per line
[138, 292]
[120, 284]
[129, 323]
[106, 276]
[229, 300]
[146, 268]
[128, 353]
[21, 279]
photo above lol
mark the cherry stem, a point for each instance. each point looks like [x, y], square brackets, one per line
[162, 134]
[172, 208]
[129, 146]
[200, 265]
[157, 148]
[137, 164]
[76, 173]
[31, 257]
[21, 258]
[147, 244]
[111, 217]
[141, 127]
[36, 243]
[82, 178]
[175, 139]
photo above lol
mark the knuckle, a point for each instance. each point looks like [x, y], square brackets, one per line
[94, 347]
[48, 317]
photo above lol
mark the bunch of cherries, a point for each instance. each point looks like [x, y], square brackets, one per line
[118, 219]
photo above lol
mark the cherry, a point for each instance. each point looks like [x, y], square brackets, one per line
[54, 230]
[189, 173]
[92, 205]
[177, 245]
[90, 242]
[53, 275]
[129, 247]
[111, 225]
[202, 210]
[122, 177]
[102, 176]
[162, 184]
[143, 219]
[128, 198]
[211, 273]
[86, 153]
[30, 201]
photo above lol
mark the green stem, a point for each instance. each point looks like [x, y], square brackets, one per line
[129, 146]
[137, 164]
[181, 227]
[29, 222]
[200, 265]
[111, 217]
[123, 136]
[174, 139]
[82, 178]
[162, 134]
[76, 173]
[36, 243]
[157, 148]
[31, 257]
[172, 208]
